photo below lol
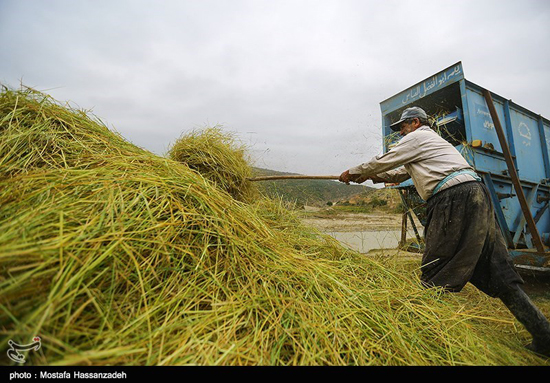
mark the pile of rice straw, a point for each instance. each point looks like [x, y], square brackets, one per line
[217, 156]
[115, 256]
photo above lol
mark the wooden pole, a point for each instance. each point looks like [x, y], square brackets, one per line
[296, 177]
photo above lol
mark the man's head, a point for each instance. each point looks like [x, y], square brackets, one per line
[411, 119]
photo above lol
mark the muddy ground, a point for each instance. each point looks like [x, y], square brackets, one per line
[356, 222]
[333, 220]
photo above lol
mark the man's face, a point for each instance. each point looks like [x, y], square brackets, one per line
[407, 126]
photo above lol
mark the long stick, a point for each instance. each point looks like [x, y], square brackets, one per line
[297, 177]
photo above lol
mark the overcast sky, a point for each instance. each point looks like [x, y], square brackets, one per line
[299, 82]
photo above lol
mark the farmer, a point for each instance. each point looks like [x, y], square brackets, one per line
[463, 240]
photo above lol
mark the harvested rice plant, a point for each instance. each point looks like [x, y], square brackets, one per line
[115, 256]
[217, 156]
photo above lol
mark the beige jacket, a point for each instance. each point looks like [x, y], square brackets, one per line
[421, 155]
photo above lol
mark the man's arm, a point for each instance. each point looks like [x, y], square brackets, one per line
[379, 169]
[393, 176]
[404, 152]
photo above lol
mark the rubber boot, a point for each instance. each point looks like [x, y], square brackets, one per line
[529, 316]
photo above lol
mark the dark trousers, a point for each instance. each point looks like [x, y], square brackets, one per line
[464, 243]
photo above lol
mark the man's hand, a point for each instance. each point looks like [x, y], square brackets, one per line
[347, 178]
[344, 177]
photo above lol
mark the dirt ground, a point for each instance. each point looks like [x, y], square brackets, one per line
[352, 221]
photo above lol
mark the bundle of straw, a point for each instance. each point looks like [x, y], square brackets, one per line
[216, 155]
[115, 256]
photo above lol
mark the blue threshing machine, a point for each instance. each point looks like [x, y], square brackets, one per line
[507, 145]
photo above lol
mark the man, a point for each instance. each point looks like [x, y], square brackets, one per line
[463, 240]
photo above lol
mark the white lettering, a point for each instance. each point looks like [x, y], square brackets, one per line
[20, 375]
[99, 375]
[54, 375]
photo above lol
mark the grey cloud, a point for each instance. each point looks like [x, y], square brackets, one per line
[299, 81]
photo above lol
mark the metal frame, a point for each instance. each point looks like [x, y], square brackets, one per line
[525, 207]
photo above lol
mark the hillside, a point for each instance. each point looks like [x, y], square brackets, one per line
[307, 192]
[382, 200]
